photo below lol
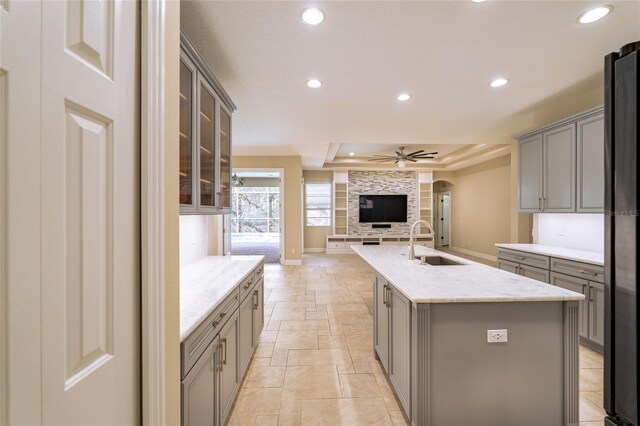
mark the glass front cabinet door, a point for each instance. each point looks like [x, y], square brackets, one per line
[205, 138]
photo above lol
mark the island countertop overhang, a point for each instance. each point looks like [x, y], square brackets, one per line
[470, 282]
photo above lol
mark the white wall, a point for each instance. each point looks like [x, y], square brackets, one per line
[574, 231]
[194, 239]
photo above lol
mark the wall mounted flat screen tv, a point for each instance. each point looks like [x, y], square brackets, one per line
[383, 208]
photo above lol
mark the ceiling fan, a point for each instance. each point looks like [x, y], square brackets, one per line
[401, 158]
[237, 181]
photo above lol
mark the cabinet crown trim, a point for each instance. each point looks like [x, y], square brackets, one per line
[566, 120]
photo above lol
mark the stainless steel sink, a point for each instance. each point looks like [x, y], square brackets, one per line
[439, 261]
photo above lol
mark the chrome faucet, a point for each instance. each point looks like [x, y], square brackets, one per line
[412, 254]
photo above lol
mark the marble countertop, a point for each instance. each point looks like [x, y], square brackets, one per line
[469, 282]
[591, 257]
[207, 282]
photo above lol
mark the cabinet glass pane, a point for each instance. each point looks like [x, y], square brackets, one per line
[225, 159]
[207, 148]
[186, 135]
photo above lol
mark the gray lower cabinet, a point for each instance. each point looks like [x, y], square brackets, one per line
[229, 374]
[392, 337]
[258, 310]
[524, 270]
[596, 313]
[400, 346]
[199, 389]
[381, 321]
[247, 343]
[590, 310]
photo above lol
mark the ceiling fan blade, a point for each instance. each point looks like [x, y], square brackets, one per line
[423, 156]
[385, 156]
[414, 153]
[380, 160]
[412, 160]
[400, 153]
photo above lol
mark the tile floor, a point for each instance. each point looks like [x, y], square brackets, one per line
[314, 363]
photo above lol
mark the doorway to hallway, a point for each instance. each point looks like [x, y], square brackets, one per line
[255, 228]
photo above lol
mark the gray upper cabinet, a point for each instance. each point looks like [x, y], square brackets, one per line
[530, 174]
[561, 166]
[590, 173]
[559, 169]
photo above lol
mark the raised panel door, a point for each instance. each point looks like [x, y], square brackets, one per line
[400, 344]
[505, 265]
[590, 165]
[381, 320]
[258, 307]
[530, 174]
[228, 374]
[579, 286]
[198, 391]
[596, 312]
[559, 169]
[246, 344]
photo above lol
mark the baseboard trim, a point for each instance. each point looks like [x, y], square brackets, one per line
[474, 253]
[290, 262]
[314, 250]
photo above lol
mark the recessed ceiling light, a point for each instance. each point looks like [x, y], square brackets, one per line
[499, 82]
[478, 1]
[312, 16]
[403, 97]
[314, 83]
[594, 14]
[351, 154]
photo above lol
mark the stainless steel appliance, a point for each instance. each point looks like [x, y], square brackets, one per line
[622, 86]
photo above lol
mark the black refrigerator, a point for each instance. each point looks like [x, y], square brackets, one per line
[622, 235]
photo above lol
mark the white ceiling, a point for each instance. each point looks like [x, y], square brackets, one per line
[443, 53]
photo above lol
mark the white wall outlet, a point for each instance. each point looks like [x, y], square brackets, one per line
[293, 251]
[497, 336]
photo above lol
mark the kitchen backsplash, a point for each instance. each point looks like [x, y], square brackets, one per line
[383, 183]
[574, 231]
[193, 238]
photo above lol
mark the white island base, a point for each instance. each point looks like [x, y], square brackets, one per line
[434, 346]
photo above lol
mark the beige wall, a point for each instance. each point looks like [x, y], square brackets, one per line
[292, 166]
[315, 237]
[171, 212]
[480, 205]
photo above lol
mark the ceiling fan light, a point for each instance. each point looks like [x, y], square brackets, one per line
[402, 164]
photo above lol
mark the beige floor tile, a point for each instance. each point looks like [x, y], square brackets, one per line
[600, 423]
[360, 344]
[255, 402]
[265, 350]
[591, 379]
[365, 328]
[279, 358]
[361, 364]
[321, 324]
[315, 315]
[311, 382]
[266, 420]
[329, 297]
[355, 308]
[307, 339]
[596, 398]
[319, 357]
[261, 362]
[346, 369]
[268, 336]
[398, 418]
[324, 332]
[359, 386]
[296, 304]
[265, 377]
[288, 314]
[332, 342]
[387, 394]
[289, 413]
[272, 325]
[376, 367]
[589, 411]
[351, 412]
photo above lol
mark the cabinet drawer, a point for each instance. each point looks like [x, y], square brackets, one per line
[247, 285]
[195, 344]
[336, 245]
[534, 273]
[259, 271]
[577, 269]
[530, 259]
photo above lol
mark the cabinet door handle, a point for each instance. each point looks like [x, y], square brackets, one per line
[224, 360]
[220, 365]
[255, 304]
[539, 203]
[389, 296]
[584, 289]
[384, 294]
[590, 294]
[519, 257]
[582, 271]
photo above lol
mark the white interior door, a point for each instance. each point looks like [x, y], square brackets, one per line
[84, 210]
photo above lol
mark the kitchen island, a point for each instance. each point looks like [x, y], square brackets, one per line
[432, 326]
